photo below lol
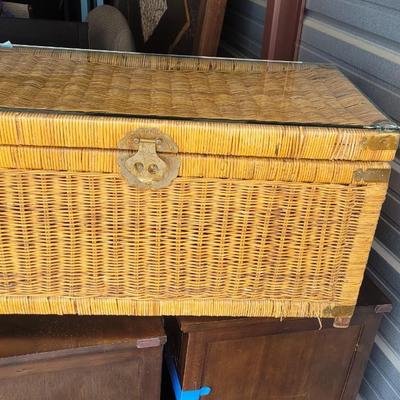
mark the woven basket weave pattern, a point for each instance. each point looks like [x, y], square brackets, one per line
[89, 235]
[181, 87]
[269, 169]
[208, 138]
[264, 219]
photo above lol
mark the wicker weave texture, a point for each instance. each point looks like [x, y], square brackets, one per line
[208, 138]
[88, 243]
[180, 87]
[191, 165]
[264, 219]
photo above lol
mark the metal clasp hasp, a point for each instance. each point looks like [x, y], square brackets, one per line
[154, 165]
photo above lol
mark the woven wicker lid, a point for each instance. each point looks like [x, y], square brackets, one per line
[180, 88]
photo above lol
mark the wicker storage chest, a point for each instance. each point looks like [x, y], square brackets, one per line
[148, 185]
[80, 358]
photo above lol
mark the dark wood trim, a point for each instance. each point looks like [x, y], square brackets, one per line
[194, 359]
[208, 32]
[63, 360]
[282, 31]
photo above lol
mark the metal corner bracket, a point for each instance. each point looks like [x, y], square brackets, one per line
[371, 175]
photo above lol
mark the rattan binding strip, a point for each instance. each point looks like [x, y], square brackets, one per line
[250, 168]
[275, 141]
[163, 62]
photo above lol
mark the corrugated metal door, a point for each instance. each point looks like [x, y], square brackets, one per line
[363, 38]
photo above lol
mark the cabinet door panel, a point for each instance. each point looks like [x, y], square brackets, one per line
[297, 366]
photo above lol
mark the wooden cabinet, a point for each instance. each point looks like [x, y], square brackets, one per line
[269, 359]
[80, 358]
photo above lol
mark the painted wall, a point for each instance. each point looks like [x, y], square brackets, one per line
[363, 38]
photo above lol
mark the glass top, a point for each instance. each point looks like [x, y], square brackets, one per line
[137, 85]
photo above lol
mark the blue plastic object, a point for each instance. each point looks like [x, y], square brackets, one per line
[176, 384]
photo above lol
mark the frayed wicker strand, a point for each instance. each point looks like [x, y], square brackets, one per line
[129, 306]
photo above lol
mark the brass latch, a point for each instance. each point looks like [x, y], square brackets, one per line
[154, 165]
